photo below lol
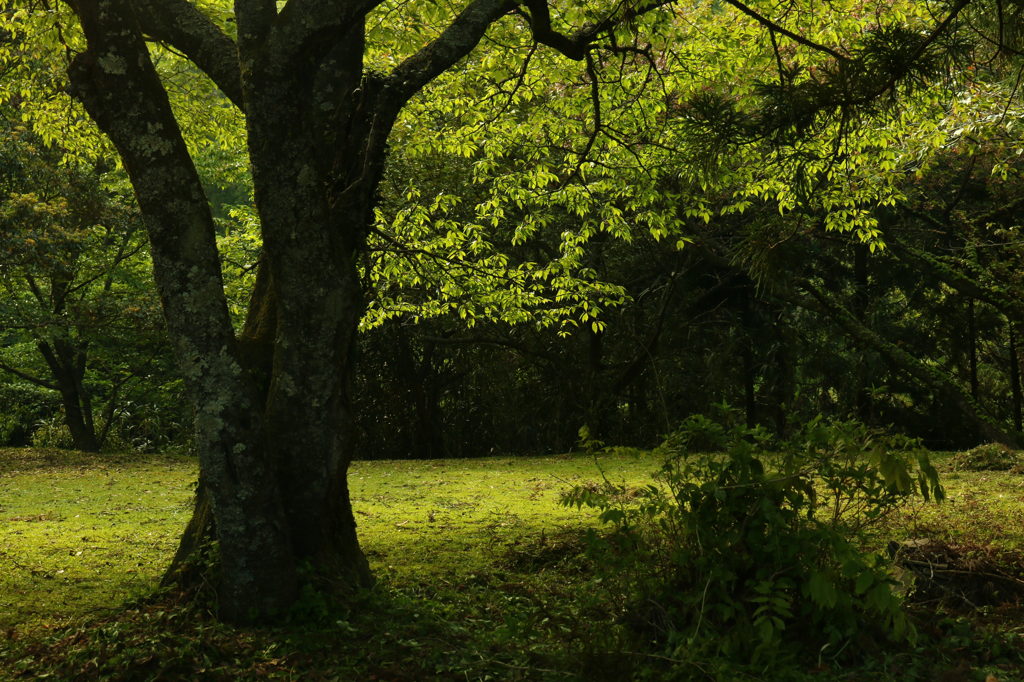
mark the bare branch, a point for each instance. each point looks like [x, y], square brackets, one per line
[776, 28]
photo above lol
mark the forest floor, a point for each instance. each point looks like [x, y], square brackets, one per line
[482, 575]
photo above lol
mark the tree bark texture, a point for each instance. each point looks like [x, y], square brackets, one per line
[116, 82]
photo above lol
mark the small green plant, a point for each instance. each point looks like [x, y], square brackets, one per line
[753, 554]
[52, 432]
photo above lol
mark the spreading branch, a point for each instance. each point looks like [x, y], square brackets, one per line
[182, 26]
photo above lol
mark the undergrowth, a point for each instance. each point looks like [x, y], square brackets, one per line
[756, 557]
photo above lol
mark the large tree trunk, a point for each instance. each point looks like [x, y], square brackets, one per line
[119, 87]
[274, 425]
[310, 248]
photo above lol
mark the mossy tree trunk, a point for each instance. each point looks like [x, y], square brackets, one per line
[274, 425]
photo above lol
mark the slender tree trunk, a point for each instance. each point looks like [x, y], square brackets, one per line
[749, 394]
[782, 383]
[426, 440]
[972, 348]
[1015, 406]
[860, 311]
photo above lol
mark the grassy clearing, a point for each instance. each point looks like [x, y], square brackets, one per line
[81, 534]
[482, 576]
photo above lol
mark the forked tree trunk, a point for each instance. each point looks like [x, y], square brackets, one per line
[119, 87]
[274, 423]
[67, 366]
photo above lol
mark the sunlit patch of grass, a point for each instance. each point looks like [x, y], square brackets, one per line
[82, 533]
[982, 507]
[449, 517]
[462, 549]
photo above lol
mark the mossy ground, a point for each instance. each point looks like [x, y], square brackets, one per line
[983, 507]
[482, 573]
[80, 534]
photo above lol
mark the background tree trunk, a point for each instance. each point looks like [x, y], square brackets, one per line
[67, 365]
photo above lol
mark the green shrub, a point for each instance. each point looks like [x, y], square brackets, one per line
[754, 554]
[52, 432]
[21, 408]
[136, 428]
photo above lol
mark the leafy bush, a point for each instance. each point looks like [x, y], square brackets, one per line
[136, 428]
[141, 427]
[21, 408]
[52, 432]
[750, 556]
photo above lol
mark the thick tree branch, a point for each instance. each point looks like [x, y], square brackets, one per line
[454, 43]
[391, 94]
[577, 45]
[28, 377]
[182, 26]
[255, 19]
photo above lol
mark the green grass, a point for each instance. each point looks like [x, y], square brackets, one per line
[80, 534]
[482, 575]
[983, 507]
